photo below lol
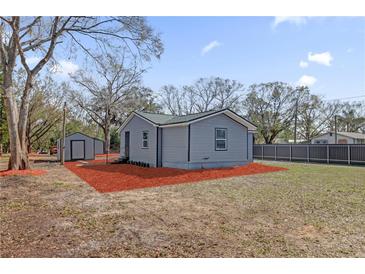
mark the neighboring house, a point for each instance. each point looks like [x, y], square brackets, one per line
[79, 146]
[203, 140]
[290, 141]
[342, 138]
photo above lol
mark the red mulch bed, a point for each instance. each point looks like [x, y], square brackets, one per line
[27, 172]
[119, 177]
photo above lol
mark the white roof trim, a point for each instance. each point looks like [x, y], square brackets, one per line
[176, 125]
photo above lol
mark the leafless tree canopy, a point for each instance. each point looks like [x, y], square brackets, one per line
[314, 115]
[110, 91]
[352, 116]
[203, 95]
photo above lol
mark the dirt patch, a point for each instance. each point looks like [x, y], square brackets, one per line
[111, 178]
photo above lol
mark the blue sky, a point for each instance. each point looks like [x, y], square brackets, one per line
[261, 49]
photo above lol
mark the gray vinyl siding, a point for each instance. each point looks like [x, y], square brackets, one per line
[175, 146]
[89, 146]
[159, 147]
[136, 153]
[99, 146]
[250, 147]
[202, 141]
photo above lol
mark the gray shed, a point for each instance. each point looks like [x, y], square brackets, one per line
[99, 146]
[204, 140]
[79, 146]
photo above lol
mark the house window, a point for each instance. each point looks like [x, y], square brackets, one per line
[321, 141]
[145, 139]
[220, 139]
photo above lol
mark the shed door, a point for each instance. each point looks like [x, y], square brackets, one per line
[77, 150]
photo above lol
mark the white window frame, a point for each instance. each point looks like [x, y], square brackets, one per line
[221, 139]
[145, 139]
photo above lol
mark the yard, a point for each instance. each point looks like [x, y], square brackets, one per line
[308, 210]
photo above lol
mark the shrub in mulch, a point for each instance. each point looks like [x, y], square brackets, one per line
[110, 178]
[27, 172]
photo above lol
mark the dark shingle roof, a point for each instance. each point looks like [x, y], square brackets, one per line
[155, 118]
[166, 119]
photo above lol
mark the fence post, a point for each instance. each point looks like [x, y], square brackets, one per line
[308, 153]
[348, 155]
[290, 152]
[262, 152]
[275, 152]
[328, 154]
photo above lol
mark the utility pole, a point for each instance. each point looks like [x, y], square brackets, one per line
[335, 129]
[63, 143]
[295, 121]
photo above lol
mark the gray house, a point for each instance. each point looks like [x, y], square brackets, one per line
[79, 146]
[204, 140]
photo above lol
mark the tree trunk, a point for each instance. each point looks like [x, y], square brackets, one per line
[29, 147]
[23, 114]
[18, 156]
[107, 138]
[1, 122]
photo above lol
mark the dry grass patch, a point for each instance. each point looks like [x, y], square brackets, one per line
[307, 211]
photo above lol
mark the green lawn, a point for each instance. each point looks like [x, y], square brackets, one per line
[307, 211]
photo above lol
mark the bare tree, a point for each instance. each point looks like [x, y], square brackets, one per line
[42, 35]
[177, 102]
[203, 95]
[205, 91]
[137, 98]
[105, 90]
[228, 93]
[3, 125]
[352, 116]
[271, 107]
[45, 110]
[217, 93]
[314, 115]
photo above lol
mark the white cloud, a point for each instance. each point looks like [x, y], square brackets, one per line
[349, 50]
[303, 64]
[64, 68]
[296, 20]
[324, 58]
[210, 46]
[307, 81]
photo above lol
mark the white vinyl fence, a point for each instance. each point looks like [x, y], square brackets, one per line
[319, 153]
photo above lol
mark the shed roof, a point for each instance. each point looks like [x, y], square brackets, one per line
[77, 132]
